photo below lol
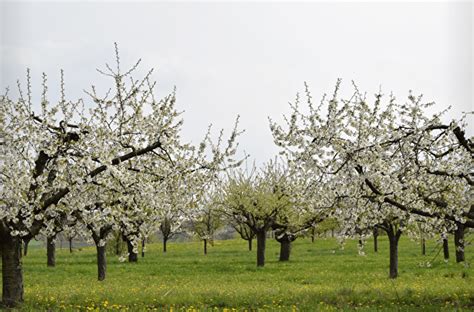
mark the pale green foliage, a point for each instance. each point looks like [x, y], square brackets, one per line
[269, 198]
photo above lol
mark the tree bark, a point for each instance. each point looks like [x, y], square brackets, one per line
[132, 256]
[250, 244]
[143, 248]
[376, 236]
[165, 228]
[70, 245]
[118, 241]
[423, 246]
[51, 251]
[285, 249]
[101, 262]
[205, 246]
[445, 249]
[312, 234]
[261, 238]
[459, 242]
[99, 238]
[12, 271]
[26, 242]
[393, 239]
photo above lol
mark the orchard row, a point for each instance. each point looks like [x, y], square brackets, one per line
[116, 163]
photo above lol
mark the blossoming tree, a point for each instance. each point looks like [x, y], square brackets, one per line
[59, 159]
[389, 163]
[257, 199]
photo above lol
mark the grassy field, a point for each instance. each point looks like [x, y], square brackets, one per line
[319, 277]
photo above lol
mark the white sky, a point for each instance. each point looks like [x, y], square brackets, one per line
[247, 58]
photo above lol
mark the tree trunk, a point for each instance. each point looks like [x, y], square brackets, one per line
[12, 272]
[205, 246]
[423, 246]
[132, 256]
[101, 262]
[285, 249]
[445, 249]
[26, 242]
[143, 248]
[164, 243]
[393, 239]
[51, 251]
[70, 245]
[459, 243]
[376, 236]
[250, 244]
[312, 235]
[261, 238]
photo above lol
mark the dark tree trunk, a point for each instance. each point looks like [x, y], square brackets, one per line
[165, 228]
[250, 244]
[312, 235]
[70, 245]
[285, 241]
[261, 238]
[100, 244]
[12, 272]
[285, 249]
[101, 262]
[26, 242]
[459, 243]
[143, 248]
[205, 246]
[393, 239]
[423, 246]
[376, 236]
[51, 251]
[445, 248]
[132, 256]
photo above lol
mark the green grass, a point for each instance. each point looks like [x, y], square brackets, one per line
[319, 277]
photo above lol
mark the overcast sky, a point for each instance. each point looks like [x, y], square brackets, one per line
[247, 58]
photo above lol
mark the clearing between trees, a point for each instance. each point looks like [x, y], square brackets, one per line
[319, 276]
